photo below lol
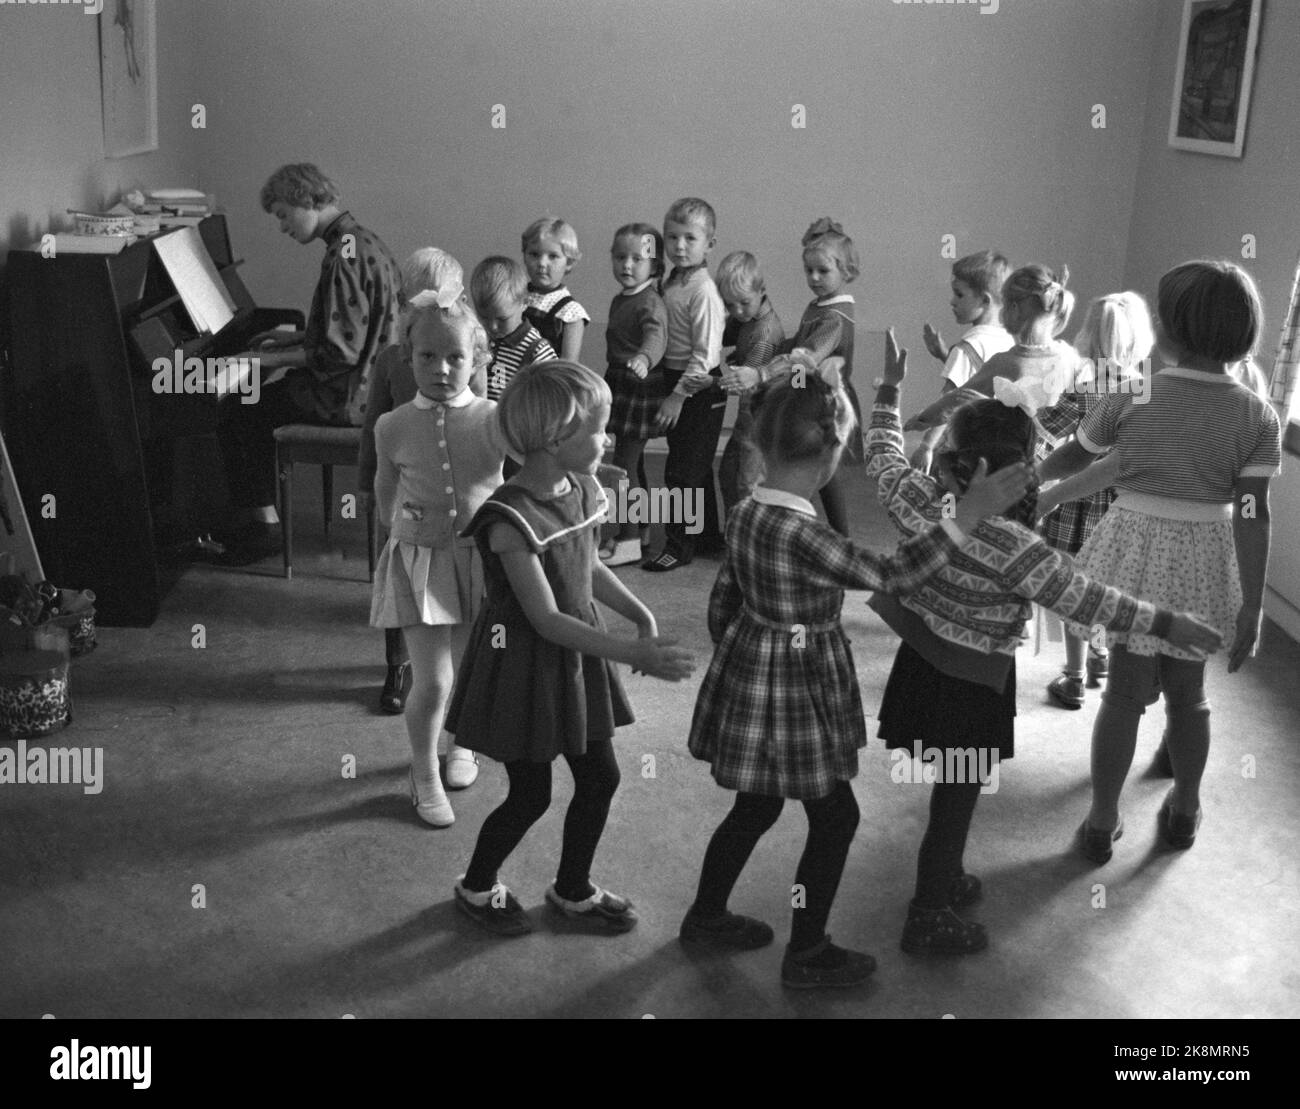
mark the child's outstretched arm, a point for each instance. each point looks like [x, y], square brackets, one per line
[1102, 474]
[1038, 573]
[660, 658]
[1252, 530]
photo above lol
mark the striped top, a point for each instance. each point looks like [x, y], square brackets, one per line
[522, 346]
[755, 341]
[970, 617]
[1189, 438]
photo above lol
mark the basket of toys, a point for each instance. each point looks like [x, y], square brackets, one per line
[34, 696]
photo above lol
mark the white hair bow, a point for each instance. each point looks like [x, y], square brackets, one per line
[443, 297]
[1031, 392]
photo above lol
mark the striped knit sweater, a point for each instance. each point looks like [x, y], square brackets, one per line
[969, 618]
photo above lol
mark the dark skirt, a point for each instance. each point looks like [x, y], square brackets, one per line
[636, 402]
[923, 704]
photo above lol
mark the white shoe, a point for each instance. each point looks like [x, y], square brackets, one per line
[625, 551]
[462, 768]
[438, 813]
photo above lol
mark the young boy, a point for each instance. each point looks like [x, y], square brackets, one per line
[754, 332]
[550, 248]
[977, 282]
[691, 415]
[498, 287]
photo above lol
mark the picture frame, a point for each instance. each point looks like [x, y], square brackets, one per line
[1217, 44]
[128, 68]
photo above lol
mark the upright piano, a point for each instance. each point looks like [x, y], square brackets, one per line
[113, 475]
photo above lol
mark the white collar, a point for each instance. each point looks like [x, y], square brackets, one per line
[460, 400]
[633, 292]
[782, 499]
[838, 298]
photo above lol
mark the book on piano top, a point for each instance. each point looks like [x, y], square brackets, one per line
[67, 243]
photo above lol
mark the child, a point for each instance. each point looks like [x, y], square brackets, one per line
[691, 414]
[1036, 306]
[754, 332]
[428, 582]
[535, 682]
[634, 345]
[392, 384]
[779, 713]
[499, 287]
[550, 248]
[1116, 338]
[976, 304]
[830, 261]
[952, 689]
[1190, 528]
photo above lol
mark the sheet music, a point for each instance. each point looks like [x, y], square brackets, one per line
[195, 276]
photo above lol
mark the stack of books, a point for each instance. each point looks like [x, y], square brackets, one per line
[178, 207]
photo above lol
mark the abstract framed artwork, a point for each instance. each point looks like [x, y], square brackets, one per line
[128, 69]
[1216, 64]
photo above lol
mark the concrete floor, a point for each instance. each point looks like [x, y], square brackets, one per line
[326, 896]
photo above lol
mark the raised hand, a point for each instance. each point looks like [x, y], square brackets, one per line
[934, 343]
[895, 360]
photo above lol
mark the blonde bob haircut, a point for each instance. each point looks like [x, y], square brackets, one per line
[544, 400]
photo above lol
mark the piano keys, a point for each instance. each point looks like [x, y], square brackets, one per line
[113, 472]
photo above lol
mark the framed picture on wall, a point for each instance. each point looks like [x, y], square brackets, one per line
[128, 71]
[1216, 62]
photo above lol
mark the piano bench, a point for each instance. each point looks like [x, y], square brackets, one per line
[325, 447]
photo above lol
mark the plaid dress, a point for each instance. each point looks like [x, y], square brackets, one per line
[638, 324]
[779, 711]
[1068, 525]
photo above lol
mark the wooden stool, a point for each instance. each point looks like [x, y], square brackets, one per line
[325, 447]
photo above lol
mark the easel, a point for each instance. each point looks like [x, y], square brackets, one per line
[17, 547]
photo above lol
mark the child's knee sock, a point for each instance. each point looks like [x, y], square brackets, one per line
[1114, 737]
[595, 778]
[730, 848]
[424, 742]
[831, 823]
[939, 862]
[1188, 739]
[507, 824]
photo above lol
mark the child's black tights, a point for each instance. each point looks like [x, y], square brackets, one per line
[595, 778]
[832, 820]
[952, 805]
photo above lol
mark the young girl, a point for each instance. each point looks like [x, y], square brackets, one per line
[779, 713]
[535, 683]
[634, 344]
[1189, 528]
[428, 269]
[952, 689]
[1116, 338]
[439, 457]
[550, 249]
[1036, 307]
[830, 262]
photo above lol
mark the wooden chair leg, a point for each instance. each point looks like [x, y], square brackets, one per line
[327, 486]
[285, 468]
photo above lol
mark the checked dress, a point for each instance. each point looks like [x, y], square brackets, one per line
[779, 711]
